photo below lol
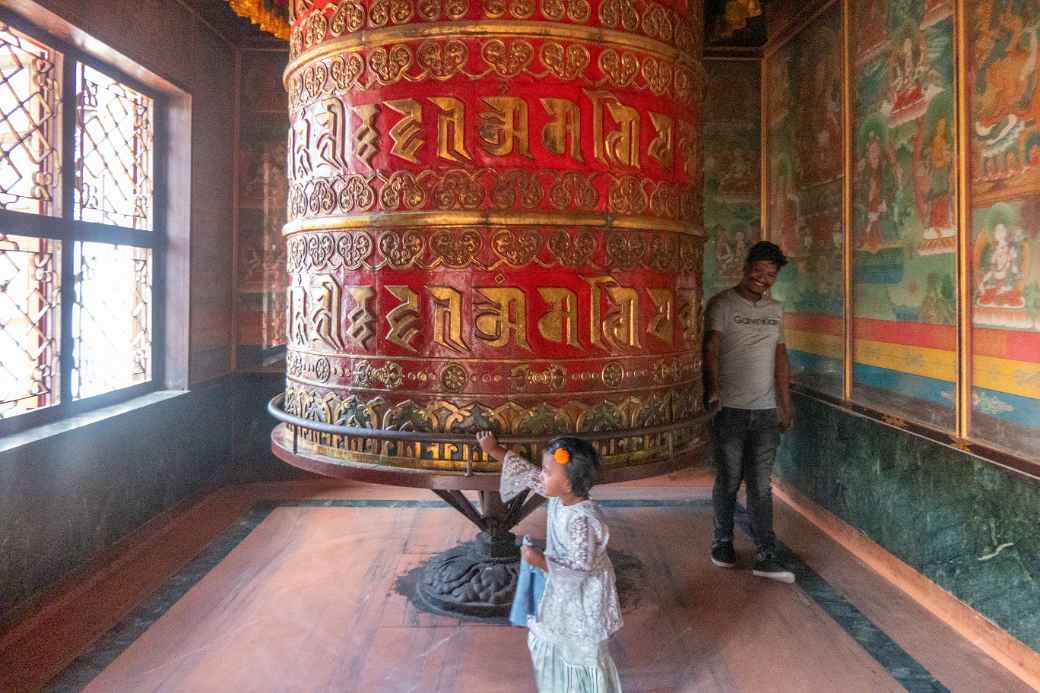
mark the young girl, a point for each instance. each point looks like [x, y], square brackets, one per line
[579, 609]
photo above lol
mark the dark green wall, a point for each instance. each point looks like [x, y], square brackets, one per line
[943, 512]
[69, 496]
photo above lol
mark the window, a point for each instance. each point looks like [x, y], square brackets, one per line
[79, 241]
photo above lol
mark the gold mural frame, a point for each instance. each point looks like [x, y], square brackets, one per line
[960, 438]
[847, 262]
[962, 118]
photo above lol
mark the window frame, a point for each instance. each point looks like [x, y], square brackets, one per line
[69, 231]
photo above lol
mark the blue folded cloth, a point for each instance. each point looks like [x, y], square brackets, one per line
[530, 584]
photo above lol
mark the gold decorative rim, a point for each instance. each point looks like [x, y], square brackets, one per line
[487, 218]
[485, 28]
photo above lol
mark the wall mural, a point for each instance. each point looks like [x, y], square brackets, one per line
[904, 226]
[263, 190]
[1005, 222]
[804, 159]
[731, 170]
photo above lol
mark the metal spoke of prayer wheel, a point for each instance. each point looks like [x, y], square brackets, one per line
[494, 222]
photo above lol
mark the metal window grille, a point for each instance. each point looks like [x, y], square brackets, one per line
[79, 234]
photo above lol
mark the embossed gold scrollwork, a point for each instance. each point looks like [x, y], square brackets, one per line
[402, 189]
[316, 30]
[357, 194]
[401, 249]
[572, 250]
[354, 248]
[507, 59]
[347, 18]
[574, 190]
[516, 248]
[625, 250]
[658, 75]
[618, 69]
[627, 195]
[388, 65]
[458, 189]
[447, 58]
[322, 199]
[517, 9]
[442, 59]
[575, 10]
[564, 63]
[456, 249]
[454, 378]
[346, 71]
[657, 23]
[617, 14]
[516, 189]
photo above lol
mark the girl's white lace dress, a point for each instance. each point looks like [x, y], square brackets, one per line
[579, 610]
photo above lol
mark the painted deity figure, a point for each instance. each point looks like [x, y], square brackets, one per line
[1006, 86]
[877, 181]
[939, 167]
[723, 250]
[738, 177]
[1002, 260]
[907, 69]
[871, 30]
[786, 207]
[937, 306]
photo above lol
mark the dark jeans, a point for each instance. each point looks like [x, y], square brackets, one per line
[745, 446]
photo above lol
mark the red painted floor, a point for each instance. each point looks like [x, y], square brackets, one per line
[306, 602]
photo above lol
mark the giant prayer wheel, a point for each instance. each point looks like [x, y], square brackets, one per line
[494, 222]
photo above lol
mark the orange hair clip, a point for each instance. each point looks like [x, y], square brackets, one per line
[561, 456]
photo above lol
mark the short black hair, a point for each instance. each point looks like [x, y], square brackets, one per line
[583, 468]
[770, 252]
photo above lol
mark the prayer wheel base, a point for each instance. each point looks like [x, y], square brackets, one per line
[474, 579]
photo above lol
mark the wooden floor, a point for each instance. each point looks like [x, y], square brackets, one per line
[305, 600]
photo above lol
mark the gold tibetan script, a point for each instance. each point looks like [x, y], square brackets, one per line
[662, 325]
[562, 135]
[617, 326]
[502, 317]
[560, 324]
[662, 147]
[402, 318]
[451, 128]
[447, 317]
[405, 134]
[324, 301]
[361, 320]
[505, 123]
[366, 137]
[620, 146]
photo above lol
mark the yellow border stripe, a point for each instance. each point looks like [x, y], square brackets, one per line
[828, 345]
[926, 362]
[1020, 378]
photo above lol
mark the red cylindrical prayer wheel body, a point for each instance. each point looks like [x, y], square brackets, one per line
[494, 223]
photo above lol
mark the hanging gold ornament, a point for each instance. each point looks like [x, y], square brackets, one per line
[269, 15]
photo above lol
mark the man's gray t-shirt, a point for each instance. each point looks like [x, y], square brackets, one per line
[747, 352]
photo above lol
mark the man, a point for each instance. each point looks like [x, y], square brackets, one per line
[746, 381]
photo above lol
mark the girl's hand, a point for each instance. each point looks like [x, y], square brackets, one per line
[489, 444]
[533, 557]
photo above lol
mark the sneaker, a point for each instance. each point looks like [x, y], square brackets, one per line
[767, 566]
[723, 555]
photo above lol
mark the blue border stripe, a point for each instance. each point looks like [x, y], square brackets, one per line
[904, 384]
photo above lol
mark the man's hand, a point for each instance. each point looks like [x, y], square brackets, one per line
[786, 419]
[712, 402]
